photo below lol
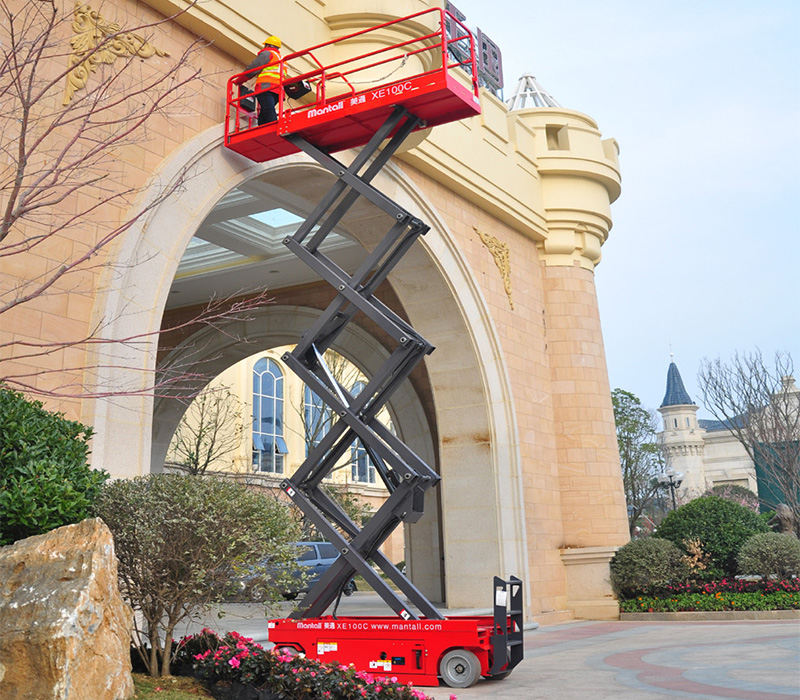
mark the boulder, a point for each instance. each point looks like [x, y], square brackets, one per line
[64, 628]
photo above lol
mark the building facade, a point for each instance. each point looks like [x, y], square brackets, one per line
[706, 452]
[513, 409]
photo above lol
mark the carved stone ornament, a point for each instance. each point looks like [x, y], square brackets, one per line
[502, 258]
[97, 41]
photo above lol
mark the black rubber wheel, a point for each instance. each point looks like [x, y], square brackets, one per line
[499, 676]
[349, 588]
[459, 668]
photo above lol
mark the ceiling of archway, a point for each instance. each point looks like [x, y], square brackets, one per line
[238, 248]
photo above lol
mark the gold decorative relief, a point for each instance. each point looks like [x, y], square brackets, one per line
[502, 258]
[97, 41]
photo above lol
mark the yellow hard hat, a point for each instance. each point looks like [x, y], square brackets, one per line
[272, 41]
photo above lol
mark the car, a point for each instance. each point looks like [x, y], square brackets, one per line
[313, 560]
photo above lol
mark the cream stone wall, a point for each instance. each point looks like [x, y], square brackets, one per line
[726, 462]
[514, 410]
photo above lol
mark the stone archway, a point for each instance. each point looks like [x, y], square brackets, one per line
[276, 326]
[477, 446]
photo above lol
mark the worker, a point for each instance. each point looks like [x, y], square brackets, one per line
[268, 79]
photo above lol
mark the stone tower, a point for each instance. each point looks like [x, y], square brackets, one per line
[682, 438]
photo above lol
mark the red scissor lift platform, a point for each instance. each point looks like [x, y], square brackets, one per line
[348, 107]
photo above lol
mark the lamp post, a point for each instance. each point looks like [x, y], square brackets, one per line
[672, 480]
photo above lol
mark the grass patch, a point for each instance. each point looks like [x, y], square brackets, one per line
[168, 688]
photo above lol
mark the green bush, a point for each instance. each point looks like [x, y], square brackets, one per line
[770, 554]
[647, 564]
[180, 539]
[246, 667]
[45, 479]
[721, 526]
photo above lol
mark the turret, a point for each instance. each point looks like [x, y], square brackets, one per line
[682, 438]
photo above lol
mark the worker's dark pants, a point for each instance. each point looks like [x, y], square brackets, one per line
[266, 107]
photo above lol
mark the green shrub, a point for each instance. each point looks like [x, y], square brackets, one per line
[646, 565]
[770, 554]
[238, 662]
[179, 540]
[721, 527]
[45, 479]
[702, 602]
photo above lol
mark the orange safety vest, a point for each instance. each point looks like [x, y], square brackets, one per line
[270, 74]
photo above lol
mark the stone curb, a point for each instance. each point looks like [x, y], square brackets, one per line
[715, 615]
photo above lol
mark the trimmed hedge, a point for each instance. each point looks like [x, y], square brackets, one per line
[770, 554]
[721, 526]
[647, 565]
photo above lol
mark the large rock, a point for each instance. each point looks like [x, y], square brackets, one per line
[64, 628]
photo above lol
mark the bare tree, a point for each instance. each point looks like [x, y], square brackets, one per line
[79, 94]
[640, 457]
[760, 405]
[208, 433]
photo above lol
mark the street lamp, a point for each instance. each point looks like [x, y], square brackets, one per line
[673, 480]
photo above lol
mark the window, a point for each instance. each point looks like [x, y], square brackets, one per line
[317, 419]
[269, 447]
[557, 137]
[307, 554]
[327, 551]
[363, 470]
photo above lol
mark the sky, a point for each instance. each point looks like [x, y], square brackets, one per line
[703, 98]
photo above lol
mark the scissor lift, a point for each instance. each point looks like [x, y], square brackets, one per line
[420, 644]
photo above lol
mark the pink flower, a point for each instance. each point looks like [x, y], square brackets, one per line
[453, 696]
[234, 662]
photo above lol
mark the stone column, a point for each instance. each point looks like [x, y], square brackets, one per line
[580, 179]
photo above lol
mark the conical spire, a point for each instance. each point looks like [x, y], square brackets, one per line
[676, 393]
[530, 93]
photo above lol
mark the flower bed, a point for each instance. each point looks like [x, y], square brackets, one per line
[726, 594]
[238, 668]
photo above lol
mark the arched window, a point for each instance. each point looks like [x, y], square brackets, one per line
[362, 468]
[269, 447]
[317, 419]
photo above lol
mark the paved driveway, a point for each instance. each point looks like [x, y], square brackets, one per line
[652, 661]
[747, 660]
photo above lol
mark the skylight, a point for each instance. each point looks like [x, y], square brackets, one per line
[277, 217]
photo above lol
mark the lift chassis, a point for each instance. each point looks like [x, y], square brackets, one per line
[419, 645]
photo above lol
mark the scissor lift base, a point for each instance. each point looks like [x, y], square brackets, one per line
[409, 650]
